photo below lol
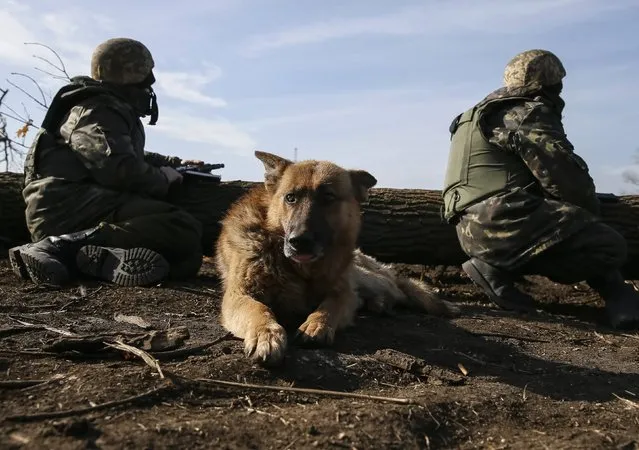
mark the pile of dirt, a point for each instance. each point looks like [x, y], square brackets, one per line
[488, 379]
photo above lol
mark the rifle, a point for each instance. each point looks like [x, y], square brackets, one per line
[202, 172]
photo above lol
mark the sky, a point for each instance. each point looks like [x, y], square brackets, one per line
[367, 84]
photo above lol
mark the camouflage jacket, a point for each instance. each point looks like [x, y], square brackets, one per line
[85, 168]
[510, 228]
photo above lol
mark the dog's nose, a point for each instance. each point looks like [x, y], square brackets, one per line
[302, 243]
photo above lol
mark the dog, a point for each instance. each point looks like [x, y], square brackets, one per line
[287, 257]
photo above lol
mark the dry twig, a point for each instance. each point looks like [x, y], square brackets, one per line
[6, 332]
[171, 354]
[78, 411]
[627, 402]
[46, 327]
[322, 392]
[19, 384]
[148, 359]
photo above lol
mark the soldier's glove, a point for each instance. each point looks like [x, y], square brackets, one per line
[192, 162]
[172, 175]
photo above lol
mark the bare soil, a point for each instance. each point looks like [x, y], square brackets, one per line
[488, 379]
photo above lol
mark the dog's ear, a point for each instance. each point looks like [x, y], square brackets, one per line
[274, 167]
[362, 181]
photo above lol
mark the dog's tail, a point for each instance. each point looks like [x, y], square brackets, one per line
[419, 295]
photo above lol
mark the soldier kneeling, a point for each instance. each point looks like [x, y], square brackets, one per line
[523, 201]
[96, 201]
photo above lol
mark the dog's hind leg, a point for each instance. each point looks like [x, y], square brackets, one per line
[372, 276]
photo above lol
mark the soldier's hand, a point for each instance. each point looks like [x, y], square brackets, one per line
[172, 175]
[192, 162]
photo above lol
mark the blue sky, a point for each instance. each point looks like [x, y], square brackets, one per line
[370, 84]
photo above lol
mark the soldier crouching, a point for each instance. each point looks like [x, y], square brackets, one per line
[523, 201]
[95, 200]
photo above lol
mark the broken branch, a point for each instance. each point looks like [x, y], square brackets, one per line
[148, 359]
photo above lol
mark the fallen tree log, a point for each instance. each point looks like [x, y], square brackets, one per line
[399, 225]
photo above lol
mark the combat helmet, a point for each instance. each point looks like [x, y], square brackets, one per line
[121, 61]
[534, 68]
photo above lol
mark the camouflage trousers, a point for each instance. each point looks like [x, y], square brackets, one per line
[182, 228]
[159, 226]
[587, 255]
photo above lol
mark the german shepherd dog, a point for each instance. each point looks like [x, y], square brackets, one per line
[287, 258]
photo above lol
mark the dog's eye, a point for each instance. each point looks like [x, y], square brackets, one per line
[290, 198]
[329, 197]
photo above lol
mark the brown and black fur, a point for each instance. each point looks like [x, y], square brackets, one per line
[287, 258]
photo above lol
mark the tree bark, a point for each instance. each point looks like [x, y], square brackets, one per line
[13, 227]
[399, 225]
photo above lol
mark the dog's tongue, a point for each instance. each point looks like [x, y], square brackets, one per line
[302, 258]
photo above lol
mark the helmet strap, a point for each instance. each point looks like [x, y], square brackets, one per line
[154, 110]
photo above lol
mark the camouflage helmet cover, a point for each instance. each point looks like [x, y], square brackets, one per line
[534, 68]
[121, 61]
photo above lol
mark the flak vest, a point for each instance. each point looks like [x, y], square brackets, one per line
[476, 168]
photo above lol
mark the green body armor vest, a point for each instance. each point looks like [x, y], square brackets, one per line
[476, 168]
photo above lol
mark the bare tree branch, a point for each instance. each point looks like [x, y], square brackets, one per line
[17, 116]
[62, 68]
[52, 75]
[10, 149]
[13, 150]
[42, 103]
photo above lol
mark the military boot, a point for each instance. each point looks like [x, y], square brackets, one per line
[499, 285]
[132, 267]
[55, 259]
[620, 298]
[49, 261]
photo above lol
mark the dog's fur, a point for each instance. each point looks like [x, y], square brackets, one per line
[287, 258]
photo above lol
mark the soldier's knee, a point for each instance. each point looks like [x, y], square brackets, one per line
[613, 247]
[619, 249]
[191, 227]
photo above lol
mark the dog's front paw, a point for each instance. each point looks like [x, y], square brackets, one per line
[316, 330]
[266, 344]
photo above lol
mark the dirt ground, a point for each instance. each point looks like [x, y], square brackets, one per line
[488, 379]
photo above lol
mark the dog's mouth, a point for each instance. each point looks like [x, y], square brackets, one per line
[302, 257]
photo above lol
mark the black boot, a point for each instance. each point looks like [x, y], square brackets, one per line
[133, 267]
[53, 260]
[621, 300]
[498, 285]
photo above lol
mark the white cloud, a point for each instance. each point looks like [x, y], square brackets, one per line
[439, 18]
[60, 24]
[14, 35]
[217, 132]
[188, 86]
